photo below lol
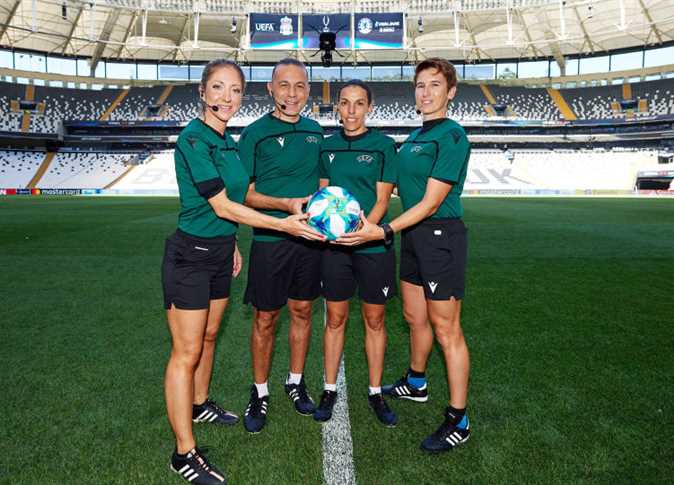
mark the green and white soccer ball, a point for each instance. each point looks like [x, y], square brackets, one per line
[333, 211]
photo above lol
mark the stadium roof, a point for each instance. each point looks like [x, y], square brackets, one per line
[199, 30]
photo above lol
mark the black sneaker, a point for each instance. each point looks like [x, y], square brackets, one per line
[382, 411]
[324, 410]
[298, 394]
[404, 390]
[210, 412]
[448, 435]
[255, 416]
[196, 469]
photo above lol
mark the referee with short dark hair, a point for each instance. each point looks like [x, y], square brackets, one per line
[280, 151]
[432, 165]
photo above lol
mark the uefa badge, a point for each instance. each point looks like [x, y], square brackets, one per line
[286, 26]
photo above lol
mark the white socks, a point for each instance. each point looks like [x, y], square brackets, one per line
[293, 378]
[373, 390]
[262, 389]
[330, 387]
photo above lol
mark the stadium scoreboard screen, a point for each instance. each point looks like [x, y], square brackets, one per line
[314, 25]
[358, 30]
[271, 31]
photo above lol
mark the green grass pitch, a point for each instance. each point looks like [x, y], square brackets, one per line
[569, 316]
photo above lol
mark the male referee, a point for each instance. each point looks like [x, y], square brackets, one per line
[281, 151]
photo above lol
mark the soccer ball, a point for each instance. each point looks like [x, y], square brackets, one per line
[333, 211]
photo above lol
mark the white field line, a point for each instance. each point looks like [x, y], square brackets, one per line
[338, 466]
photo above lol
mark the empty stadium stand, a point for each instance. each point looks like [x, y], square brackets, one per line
[593, 103]
[527, 103]
[17, 168]
[62, 104]
[82, 170]
[394, 103]
[135, 105]
[565, 171]
[659, 95]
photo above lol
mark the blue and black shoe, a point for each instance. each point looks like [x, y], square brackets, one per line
[448, 436]
[382, 411]
[324, 410]
[301, 399]
[402, 389]
[255, 416]
[196, 469]
[210, 412]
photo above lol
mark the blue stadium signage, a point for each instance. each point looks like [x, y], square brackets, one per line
[379, 31]
[272, 31]
[314, 25]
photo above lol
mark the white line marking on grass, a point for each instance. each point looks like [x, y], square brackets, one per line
[338, 466]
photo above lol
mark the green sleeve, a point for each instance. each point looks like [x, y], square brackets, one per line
[452, 156]
[389, 171]
[247, 152]
[196, 155]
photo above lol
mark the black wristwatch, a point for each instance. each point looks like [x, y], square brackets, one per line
[388, 233]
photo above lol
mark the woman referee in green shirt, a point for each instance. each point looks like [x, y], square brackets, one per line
[432, 164]
[360, 160]
[200, 259]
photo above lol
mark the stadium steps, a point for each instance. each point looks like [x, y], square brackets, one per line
[44, 166]
[165, 94]
[489, 108]
[488, 94]
[562, 105]
[105, 116]
[126, 172]
[627, 91]
[326, 91]
[29, 96]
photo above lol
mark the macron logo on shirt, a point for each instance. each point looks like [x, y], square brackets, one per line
[280, 140]
[331, 157]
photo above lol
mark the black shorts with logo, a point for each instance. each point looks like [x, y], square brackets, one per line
[279, 270]
[342, 270]
[433, 255]
[196, 270]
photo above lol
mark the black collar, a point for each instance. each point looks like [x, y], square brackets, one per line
[271, 115]
[427, 125]
[217, 133]
[353, 138]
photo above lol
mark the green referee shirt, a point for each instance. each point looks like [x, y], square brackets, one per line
[440, 149]
[206, 163]
[282, 159]
[357, 163]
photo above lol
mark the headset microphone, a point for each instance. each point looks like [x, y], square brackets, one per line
[340, 121]
[418, 111]
[280, 105]
[214, 107]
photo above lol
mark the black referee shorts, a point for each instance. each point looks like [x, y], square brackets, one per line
[343, 270]
[433, 255]
[278, 270]
[196, 270]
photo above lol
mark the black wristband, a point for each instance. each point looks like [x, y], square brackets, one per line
[388, 233]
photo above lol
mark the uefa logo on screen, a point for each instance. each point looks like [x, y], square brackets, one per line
[286, 27]
[365, 26]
